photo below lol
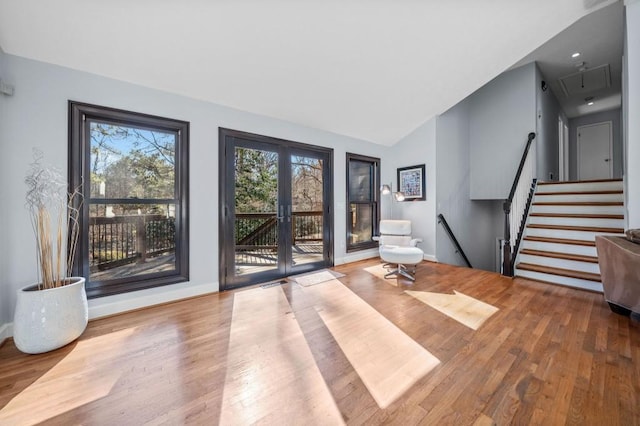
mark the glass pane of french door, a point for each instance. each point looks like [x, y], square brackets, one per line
[256, 226]
[307, 200]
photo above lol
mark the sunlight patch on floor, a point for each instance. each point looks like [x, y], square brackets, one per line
[93, 378]
[458, 306]
[380, 271]
[387, 360]
[272, 377]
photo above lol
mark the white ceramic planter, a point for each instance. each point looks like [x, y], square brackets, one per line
[49, 319]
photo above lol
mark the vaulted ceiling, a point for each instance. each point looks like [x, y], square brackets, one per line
[373, 69]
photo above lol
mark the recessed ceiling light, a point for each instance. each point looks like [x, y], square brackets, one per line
[575, 55]
[589, 100]
[590, 103]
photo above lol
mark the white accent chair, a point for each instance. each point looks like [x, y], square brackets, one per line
[398, 249]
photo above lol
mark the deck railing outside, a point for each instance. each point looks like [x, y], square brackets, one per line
[119, 240]
[258, 232]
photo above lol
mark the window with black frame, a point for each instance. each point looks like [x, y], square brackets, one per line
[132, 170]
[363, 209]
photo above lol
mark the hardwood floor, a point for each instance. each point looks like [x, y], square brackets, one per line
[548, 355]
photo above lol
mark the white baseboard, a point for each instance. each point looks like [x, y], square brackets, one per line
[111, 305]
[370, 254]
[430, 258]
[6, 331]
[354, 257]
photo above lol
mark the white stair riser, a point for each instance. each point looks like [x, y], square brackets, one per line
[560, 248]
[581, 186]
[553, 262]
[578, 209]
[577, 221]
[564, 234]
[556, 279]
[578, 198]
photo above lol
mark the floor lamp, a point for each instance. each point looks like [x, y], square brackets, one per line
[387, 189]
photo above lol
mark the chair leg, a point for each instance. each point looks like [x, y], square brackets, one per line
[402, 270]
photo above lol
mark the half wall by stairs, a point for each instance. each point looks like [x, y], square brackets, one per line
[558, 244]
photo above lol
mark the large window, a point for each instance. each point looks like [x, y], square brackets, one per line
[132, 170]
[363, 208]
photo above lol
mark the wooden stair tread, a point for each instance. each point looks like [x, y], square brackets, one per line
[556, 255]
[578, 228]
[581, 192]
[580, 215]
[577, 203]
[561, 241]
[568, 182]
[559, 271]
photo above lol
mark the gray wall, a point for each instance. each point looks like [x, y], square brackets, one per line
[502, 113]
[547, 138]
[472, 222]
[5, 180]
[632, 103]
[37, 116]
[599, 117]
[419, 147]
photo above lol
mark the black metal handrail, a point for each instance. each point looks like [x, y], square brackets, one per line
[507, 261]
[453, 238]
[523, 221]
[523, 160]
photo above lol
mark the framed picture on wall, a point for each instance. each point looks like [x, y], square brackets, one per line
[411, 182]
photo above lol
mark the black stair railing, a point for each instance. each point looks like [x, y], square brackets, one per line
[508, 252]
[523, 221]
[445, 225]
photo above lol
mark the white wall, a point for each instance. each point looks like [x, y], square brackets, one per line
[419, 147]
[632, 102]
[37, 116]
[502, 114]
[473, 222]
[614, 116]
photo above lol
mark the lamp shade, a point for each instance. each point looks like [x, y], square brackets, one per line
[385, 189]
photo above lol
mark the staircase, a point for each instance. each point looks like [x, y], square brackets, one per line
[558, 245]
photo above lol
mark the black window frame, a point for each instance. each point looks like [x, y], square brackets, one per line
[80, 115]
[375, 202]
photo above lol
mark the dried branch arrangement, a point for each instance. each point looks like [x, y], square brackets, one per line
[47, 199]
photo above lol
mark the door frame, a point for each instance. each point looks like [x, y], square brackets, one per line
[610, 123]
[226, 233]
[563, 150]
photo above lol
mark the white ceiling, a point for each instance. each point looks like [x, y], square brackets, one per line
[370, 69]
[598, 38]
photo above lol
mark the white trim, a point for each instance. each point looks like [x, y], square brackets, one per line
[563, 150]
[125, 302]
[430, 258]
[120, 303]
[610, 123]
[354, 257]
[6, 331]
[370, 254]
[560, 149]
[565, 177]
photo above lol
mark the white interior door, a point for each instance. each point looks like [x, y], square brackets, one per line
[595, 151]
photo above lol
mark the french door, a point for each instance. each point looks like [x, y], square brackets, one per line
[275, 215]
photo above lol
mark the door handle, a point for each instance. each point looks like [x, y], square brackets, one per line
[606, 159]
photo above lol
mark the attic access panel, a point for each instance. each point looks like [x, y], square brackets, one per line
[586, 81]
